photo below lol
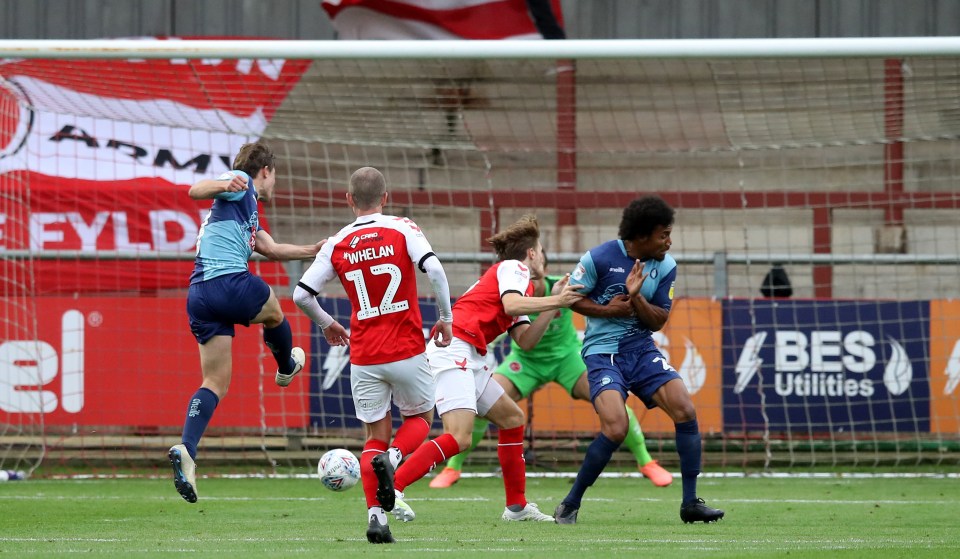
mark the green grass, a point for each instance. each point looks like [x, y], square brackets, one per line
[621, 517]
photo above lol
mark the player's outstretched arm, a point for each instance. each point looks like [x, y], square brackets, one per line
[333, 331]
[209, 188]
[515, 304]
[282, 251]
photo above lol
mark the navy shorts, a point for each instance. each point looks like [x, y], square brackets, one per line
[640, 372]
[216, 305]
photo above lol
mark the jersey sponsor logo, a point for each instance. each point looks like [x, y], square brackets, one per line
[462, 364]
[367, 254]
[522, 267]
[253, 223]
[365, 238]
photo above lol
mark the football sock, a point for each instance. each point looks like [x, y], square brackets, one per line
[411, 434]
[280, 342]
[479, 430]
[598, 454]
[199, 412]
[377, 511]
[635, 441]
[372, 448]
[424, 459]
[688, 447]
[510, 453]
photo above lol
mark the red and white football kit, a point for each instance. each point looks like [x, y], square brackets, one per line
[375, 258]
[464, 379]
[463, 376]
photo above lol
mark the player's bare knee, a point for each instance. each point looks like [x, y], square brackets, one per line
[616, 432]
[463, 440]
[684, 413]
[273, 319]
[511, 419]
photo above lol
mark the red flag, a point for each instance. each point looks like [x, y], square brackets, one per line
[446, 19]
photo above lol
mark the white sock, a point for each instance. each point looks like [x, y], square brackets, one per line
[377, 512]
[395, 456]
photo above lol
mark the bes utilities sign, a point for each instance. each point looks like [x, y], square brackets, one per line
[826, 366]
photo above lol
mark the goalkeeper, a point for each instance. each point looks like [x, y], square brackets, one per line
[555, 359]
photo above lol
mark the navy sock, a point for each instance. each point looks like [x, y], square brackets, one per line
[280, 342]
[202, 404]
[598, 454]
[688, 447]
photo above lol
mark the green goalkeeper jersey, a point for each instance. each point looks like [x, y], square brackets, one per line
[559, 340]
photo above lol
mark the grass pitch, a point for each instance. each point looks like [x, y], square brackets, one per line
[621, 517]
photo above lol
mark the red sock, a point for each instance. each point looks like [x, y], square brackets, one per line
[411, 434]
[367, 477]
[425, 459]
[510, 453]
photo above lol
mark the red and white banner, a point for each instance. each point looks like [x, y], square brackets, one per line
[131, 361]
[439, 19]
[136, 217]
[98, 155]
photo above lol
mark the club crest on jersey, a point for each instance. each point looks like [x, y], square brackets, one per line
[578, 273]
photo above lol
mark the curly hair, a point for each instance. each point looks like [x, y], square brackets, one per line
[253, 157]
[513, 242]
[643, 215]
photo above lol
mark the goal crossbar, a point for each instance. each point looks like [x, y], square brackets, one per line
[574, 49]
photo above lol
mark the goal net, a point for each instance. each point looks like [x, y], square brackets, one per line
[815, 320]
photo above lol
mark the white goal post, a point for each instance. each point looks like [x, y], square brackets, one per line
[826, 166]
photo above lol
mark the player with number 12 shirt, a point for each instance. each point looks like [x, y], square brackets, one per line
[376, 259]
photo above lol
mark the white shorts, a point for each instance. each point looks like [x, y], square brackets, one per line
[464, 380]
[408, 383]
